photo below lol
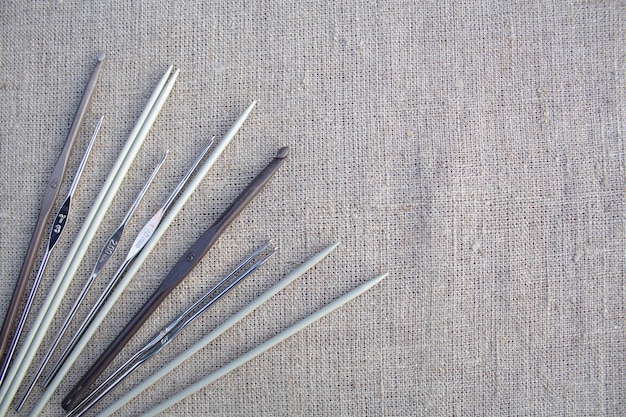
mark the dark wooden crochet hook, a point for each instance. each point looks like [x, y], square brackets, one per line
[183, 267]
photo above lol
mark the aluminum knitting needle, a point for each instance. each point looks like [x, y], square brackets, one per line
[105, 255]
[173, 329]
[265, 346]
[140, 241]
[49, 198]
[57, 229]
[177, 274]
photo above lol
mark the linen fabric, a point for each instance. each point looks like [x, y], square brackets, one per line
[475, 150]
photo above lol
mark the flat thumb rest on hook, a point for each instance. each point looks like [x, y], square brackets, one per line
[181, 269]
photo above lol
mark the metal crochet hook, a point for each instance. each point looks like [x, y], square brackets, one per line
[49, 198]
[174, 328]
[142, 238]
[105, 255]
[57, 229]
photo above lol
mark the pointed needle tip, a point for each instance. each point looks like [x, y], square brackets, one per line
[249, 108]
[380, 278]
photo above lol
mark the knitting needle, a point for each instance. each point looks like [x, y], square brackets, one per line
[49, 198]
[64, 277]
[57, 229]
[174, 328]
[180, 270]
[265, 346]
[140, 241]
[221, 329]
[143, 256]
[105, 254]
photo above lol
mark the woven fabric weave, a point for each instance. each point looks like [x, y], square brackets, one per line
[475, 150]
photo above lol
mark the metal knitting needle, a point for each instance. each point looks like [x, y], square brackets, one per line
[163, 338]
[142, 238]
[56, 231]
[105, 255]
[49, 198]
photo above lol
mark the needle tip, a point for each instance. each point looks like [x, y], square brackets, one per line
[330, 248]
[101, 56]
[376, 280]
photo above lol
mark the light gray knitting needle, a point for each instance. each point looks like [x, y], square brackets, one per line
[105, 255]
[140, 241]
[173, 329]
[55, 233]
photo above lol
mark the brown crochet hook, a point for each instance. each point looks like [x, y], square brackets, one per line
[181, 269]
[49, 198]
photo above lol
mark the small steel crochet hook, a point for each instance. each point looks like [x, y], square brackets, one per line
[57, 229]
[140, 241]
[177, 274]
[49, 198]
[174, 328]
[105, 255]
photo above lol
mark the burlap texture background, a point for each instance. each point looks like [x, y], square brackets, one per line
[475, 150]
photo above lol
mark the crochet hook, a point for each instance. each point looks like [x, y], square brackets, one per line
[180, 270]
[49, 198]
[57, 229]
[140, 241]
[105, 254]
